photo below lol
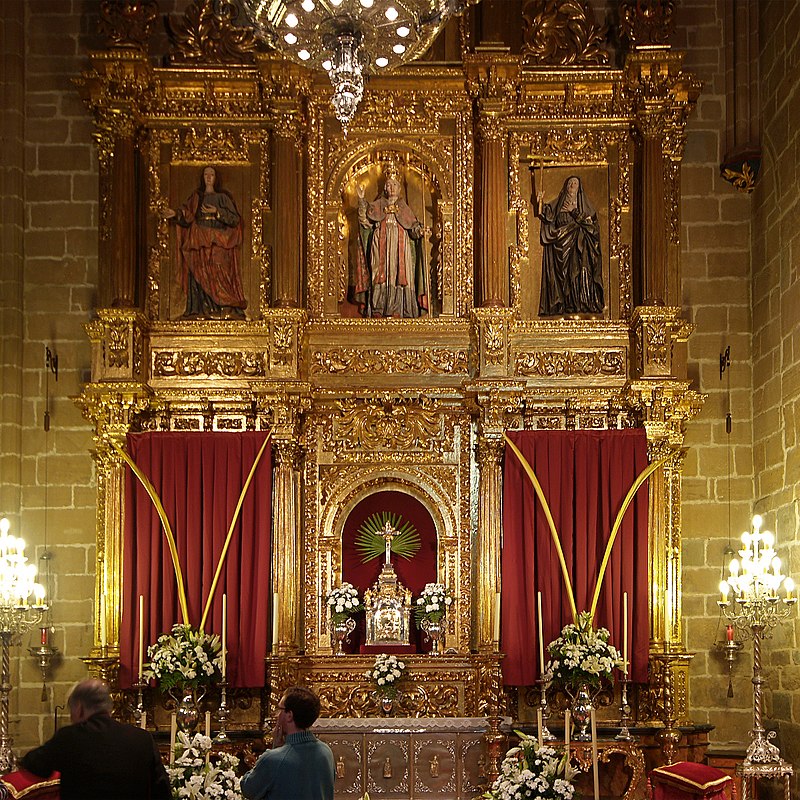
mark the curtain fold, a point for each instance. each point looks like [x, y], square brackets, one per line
[585, 476]
[199, 477]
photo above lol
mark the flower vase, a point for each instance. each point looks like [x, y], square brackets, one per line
[582, 704]
[187, 711]
[341, 630]
[434, 630]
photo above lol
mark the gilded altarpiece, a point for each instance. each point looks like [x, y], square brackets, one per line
[359, 405]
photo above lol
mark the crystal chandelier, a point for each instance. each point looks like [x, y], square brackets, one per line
[348, 38]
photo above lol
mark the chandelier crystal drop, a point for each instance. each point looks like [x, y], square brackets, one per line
[351, 38]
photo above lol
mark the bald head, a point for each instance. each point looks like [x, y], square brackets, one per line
[87, 698]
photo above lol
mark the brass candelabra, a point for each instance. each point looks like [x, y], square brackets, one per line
[755, 582]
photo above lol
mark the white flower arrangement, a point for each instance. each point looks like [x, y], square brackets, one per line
[582, 654]
[386, 673]
[343, 602]
[195, 774]
[185, 657]
[530, 772]
[433, 602]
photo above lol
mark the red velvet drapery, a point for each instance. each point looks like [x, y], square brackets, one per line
[199, 477]
[585, 476]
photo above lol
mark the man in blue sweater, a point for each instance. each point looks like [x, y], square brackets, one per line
[299, 766]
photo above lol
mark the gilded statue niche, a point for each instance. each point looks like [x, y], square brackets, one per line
[417, 495]
[206, 187]
[596, 285]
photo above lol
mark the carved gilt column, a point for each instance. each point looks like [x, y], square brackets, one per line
[288, 559]
[492, 80]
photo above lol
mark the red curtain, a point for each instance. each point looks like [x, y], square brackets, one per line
[585, 476]
[199, 477]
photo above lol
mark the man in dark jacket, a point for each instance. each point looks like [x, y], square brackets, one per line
[98, 757]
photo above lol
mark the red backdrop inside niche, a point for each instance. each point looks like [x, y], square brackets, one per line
[414, 573]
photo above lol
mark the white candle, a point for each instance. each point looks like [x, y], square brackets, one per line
[539, 726]
[143, 720]
[103, 641]
[274, 619]
[567, 723]
[208, 724]
[173, 730]
[541, 633]
[224, 636]
[625, 633]
[141, 636]
[595, 766]
[496, 634]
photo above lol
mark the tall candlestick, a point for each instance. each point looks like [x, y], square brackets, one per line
[224, 636]
[541, 175]
[595, 765]
[274, 619]
[539, 727]
[173, 730]
[541, 634]
[141, 636]
[496, 634]
[567, 723]
[208, 723]
[143, 721]
[625, 633]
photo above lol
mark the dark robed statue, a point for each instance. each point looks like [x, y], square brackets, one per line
[572, 270]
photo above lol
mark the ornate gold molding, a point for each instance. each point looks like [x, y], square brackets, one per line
[390, 361]
[572, 363]
[562, 33]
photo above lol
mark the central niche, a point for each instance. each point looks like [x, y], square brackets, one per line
[412, 573]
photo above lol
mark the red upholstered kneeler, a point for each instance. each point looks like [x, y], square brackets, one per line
[689, 780]
[21, 784]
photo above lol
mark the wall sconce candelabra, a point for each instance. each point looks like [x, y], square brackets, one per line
[755, 582]
[17, 616]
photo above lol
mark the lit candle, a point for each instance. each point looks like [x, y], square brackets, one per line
[723, 590]
[496, 634]
[224, 636]
[625, 633]
[173, 730]
[143, 720]
[103, 642]
[539, 727]
[730, 633]
[274, 619]
[541, 633]
[141, 636]
[595, 766]
[567, 723]
[43, 631]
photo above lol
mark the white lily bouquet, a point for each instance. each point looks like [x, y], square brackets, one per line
[433, 602]
[530, 772]
[186, 657]
[343, 602]
[582, 654]
[195, 774]
[386, 673]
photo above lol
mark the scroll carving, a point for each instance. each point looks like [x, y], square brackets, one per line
[571, 363]
[433, 361]
[207, 34]
[563, 33]
[229, 364]
[127, 23]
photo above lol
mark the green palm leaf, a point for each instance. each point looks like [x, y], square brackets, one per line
[371, 544]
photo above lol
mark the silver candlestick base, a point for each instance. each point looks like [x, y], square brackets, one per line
[547, 736]
[222, 715]
[625, 717]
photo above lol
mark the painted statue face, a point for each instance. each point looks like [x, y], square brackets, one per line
[209, 177]
[572, 186]
[393, 188]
